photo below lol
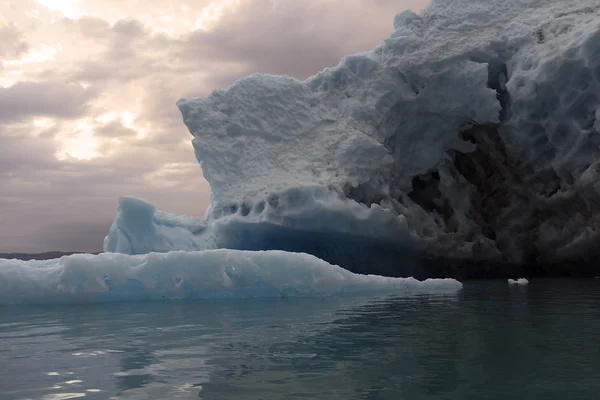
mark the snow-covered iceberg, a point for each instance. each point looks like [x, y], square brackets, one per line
[191, 275]
[472, 132]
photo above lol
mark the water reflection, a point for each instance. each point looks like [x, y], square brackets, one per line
[345, 348]
[488, 341]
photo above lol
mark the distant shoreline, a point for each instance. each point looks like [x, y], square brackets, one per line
[40, 256]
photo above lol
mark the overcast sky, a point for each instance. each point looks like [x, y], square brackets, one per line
[88, 91]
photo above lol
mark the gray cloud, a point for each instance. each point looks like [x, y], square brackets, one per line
[55, 99]
[11, 42]
[131, 51]
[84, 234]
[288, 37]
[21, 153]
[114, 129]
[295, 38]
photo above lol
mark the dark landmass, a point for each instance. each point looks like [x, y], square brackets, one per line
[37, 256]
[464, 270]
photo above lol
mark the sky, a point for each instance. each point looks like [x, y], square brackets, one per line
[88, 91]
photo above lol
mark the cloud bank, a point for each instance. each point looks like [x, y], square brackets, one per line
[88, 91]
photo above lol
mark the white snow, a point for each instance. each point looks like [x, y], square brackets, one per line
[191, 275]
[338, 154]
[520, 281]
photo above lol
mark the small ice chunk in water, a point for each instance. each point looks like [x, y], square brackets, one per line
[520, 281]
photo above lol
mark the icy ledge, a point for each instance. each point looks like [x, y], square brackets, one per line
[191, 275]
[473, 133]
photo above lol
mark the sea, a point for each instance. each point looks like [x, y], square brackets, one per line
[491, 340]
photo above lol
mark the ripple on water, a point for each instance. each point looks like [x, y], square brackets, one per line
[489, 341]
[63, 396]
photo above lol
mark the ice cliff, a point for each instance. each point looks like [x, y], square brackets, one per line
[473, 132]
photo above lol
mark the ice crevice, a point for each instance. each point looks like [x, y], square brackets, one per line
[471, 135]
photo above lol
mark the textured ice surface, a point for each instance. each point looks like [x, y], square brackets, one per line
[139, 229]
[191, 275]
[473, 131]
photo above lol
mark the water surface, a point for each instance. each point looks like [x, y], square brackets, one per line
[490, 341]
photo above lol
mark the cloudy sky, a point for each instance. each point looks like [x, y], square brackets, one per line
[88, 91]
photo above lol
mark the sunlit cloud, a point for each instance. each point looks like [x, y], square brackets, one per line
[94, 137]
[67, 8]
[210, 15]
[79, 144]
[43, 123]
[169, 176]
[126, 118]
[9, 78]
[43, 53]
[166, 17]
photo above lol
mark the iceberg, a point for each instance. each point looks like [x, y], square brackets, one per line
[472, 133]
[210, 274]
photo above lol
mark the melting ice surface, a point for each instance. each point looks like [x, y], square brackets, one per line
[191, 275]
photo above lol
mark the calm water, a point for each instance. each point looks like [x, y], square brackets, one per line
[490, 341]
